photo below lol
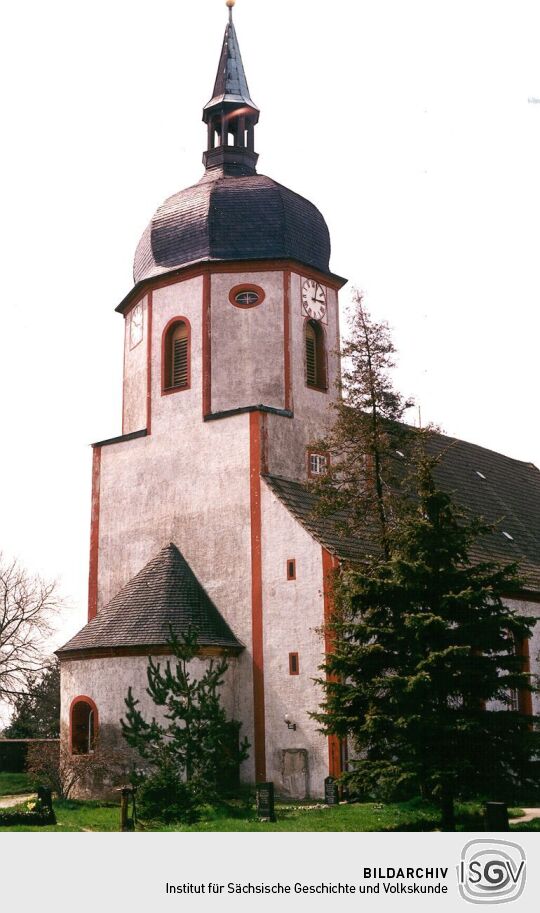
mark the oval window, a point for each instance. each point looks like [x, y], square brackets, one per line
[246, 296]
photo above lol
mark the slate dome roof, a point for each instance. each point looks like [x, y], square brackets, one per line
[232, 217]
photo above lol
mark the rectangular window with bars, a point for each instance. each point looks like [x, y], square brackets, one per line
[291, 569]
[180, 363]
[311, 362]
[176, 356]
[315, 355]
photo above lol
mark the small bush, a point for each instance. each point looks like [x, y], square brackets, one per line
[165, 797]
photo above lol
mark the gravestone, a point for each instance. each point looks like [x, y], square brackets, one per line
[331, 791]
[496, 817]
[265, 801]
[294, 773]
[44, 794]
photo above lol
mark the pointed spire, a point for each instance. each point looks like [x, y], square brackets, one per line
[231, 115]
[231, 83]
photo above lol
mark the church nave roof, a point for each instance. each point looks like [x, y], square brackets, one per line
[504, 492]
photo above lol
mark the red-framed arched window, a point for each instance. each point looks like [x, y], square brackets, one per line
[176, 356]
[315, 355]
[83, 725]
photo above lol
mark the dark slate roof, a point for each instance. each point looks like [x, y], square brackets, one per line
[301, 504]
[508, 496]
[224, 217]
[231, 83]
[165, 592]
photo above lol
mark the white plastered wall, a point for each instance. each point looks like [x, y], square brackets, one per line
[135, 375]
[293, 614]
[107, 680]
[186, 483]
[530, 610]
[247, 344]
[313, 415]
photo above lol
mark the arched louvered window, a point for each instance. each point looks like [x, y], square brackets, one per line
[315, 353]
[83, 725]
[176, 356]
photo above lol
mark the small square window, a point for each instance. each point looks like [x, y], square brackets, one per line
[291, 569]
[294, 665]
[317, 465]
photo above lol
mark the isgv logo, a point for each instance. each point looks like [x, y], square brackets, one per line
[491, 871]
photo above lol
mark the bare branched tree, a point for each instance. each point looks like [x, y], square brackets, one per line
[27, 607]
[103, 768]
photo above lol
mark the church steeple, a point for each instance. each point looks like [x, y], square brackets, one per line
[230, 114]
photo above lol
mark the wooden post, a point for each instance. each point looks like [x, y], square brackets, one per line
[126, 823]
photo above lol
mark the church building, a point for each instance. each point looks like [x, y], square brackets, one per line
[200, 514]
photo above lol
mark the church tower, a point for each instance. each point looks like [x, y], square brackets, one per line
[230, 367]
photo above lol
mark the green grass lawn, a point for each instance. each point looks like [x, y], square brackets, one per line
[406, 816]
[14, 784]
[533, 825]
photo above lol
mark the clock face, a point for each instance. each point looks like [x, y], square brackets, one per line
[136, 325]
[313, 299]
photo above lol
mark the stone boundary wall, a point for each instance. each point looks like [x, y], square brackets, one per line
[13, 753]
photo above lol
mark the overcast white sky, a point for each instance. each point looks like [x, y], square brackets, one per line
[408, 124]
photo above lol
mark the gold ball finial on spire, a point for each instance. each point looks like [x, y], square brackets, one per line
[230, 3]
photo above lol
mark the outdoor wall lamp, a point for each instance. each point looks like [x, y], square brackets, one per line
[290, 724]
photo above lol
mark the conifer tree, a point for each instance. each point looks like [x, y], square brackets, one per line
[193, 751]
[366, 433]
[424, 664]
[36, 711]
[423, 667]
